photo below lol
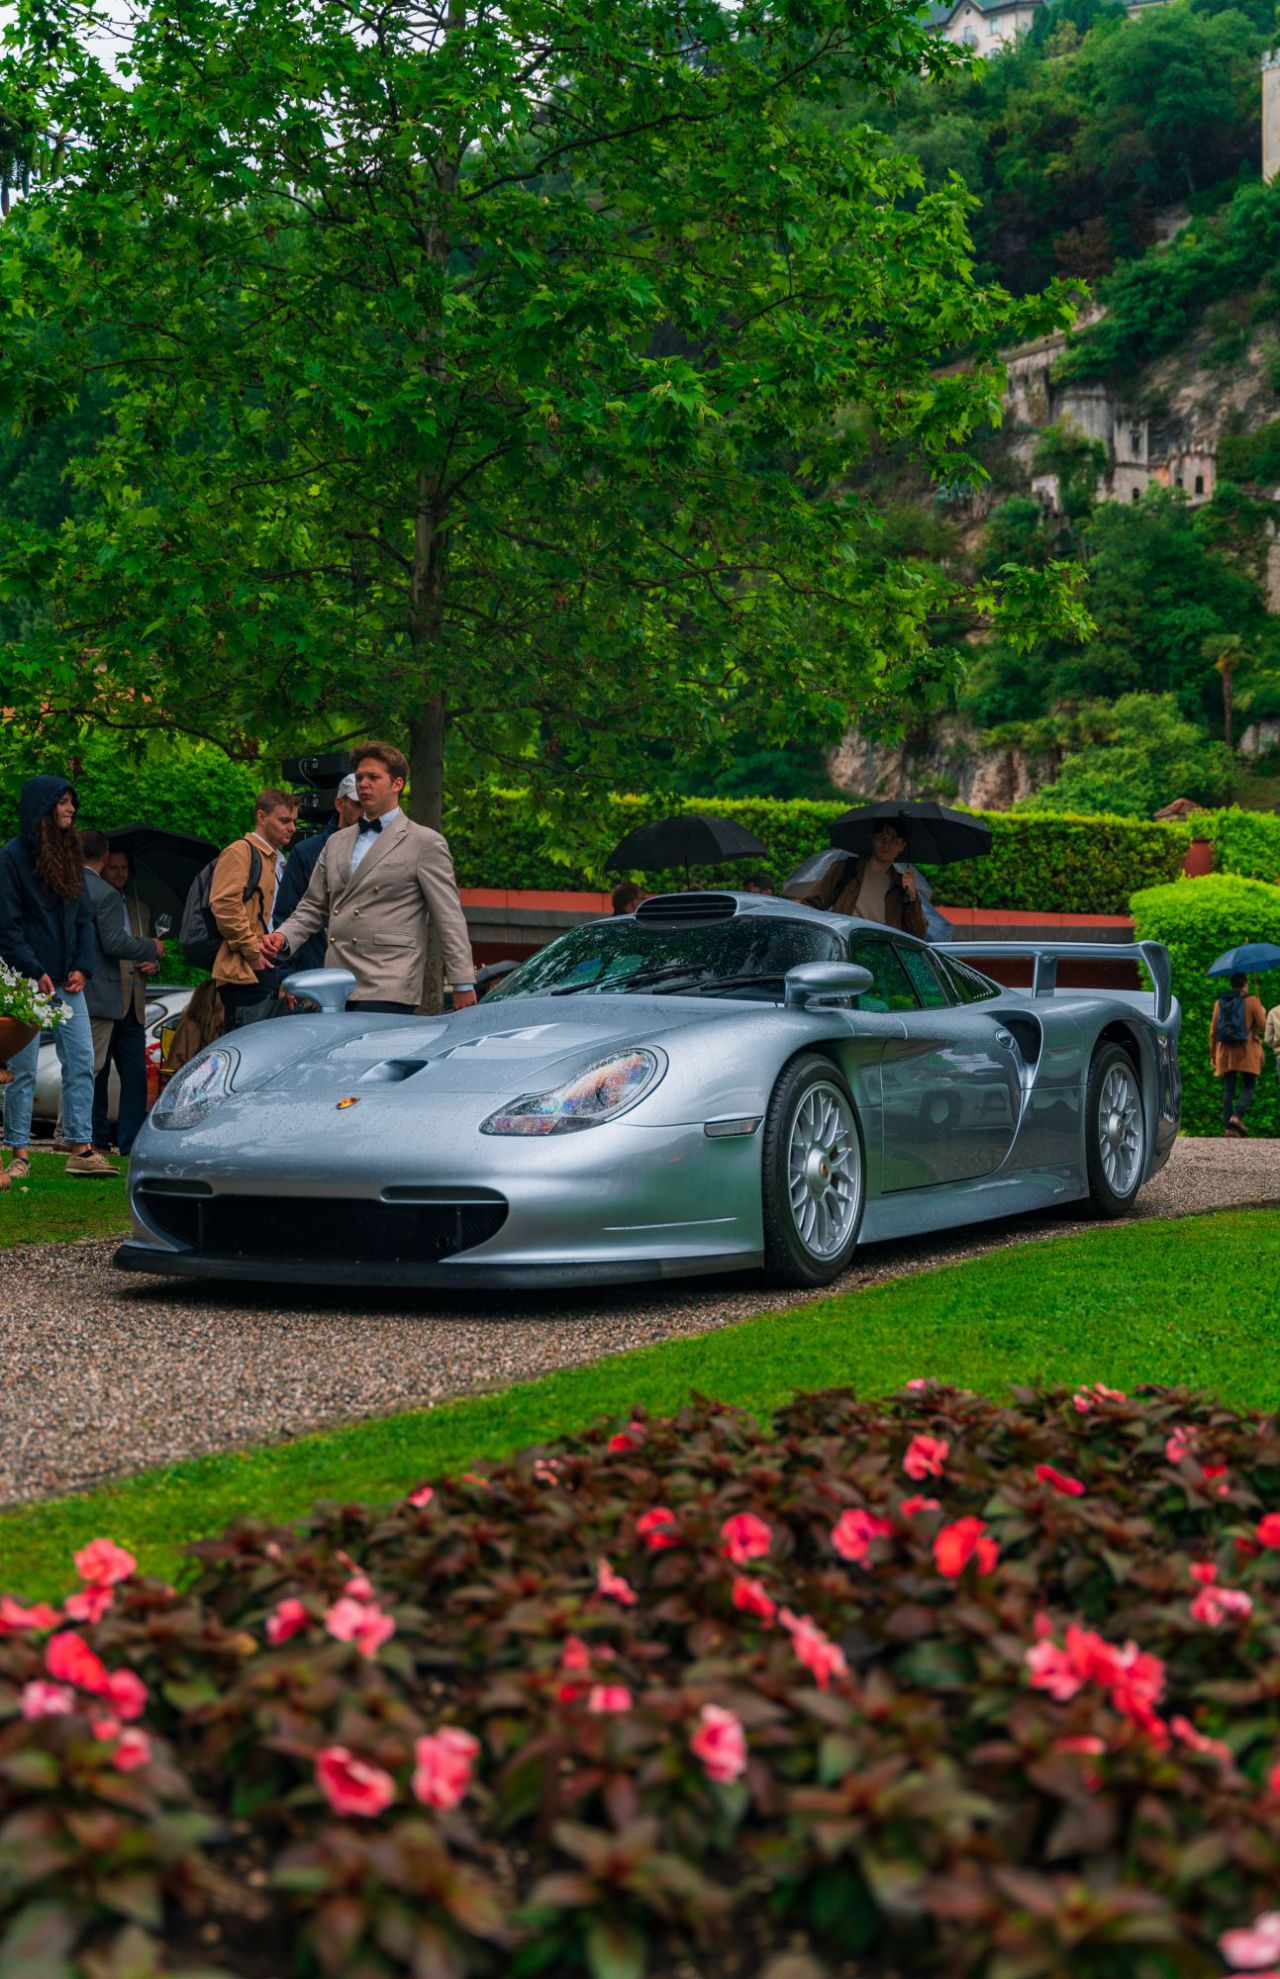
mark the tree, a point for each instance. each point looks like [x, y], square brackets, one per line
[489, 370]
[1131, 757]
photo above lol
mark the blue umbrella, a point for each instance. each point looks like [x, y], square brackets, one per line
[1243, 961]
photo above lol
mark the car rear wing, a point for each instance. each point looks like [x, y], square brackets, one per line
[1045, 956]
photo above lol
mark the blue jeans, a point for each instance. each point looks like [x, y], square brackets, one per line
[128, 1052]
[73, 1040]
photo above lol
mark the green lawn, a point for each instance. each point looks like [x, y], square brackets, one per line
[54, 1207]
[1191, 1302]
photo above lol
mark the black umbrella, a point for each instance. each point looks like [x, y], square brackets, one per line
[164, 864]
[692, 839]
[933, 833]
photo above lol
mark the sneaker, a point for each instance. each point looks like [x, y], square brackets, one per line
[92, 1163]
[19, 1172]
[1238, 1126]
[1235, 1128]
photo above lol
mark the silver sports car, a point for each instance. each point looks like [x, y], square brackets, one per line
[720, 1081]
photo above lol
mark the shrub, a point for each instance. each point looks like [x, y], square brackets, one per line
[940, 1686]
[1198, 920]
[1244, 842]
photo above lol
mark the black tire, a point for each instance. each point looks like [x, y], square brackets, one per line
[1115, 1138]
[809, 1094]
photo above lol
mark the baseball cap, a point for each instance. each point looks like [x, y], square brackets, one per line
[347, 788]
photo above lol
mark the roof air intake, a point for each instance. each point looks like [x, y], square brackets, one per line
[679, 909]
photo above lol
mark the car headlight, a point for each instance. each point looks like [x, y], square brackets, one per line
[605, 1089]
[196, 1089]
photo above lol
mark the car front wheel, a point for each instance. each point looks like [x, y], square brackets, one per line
[1115, 1131]
[813, 1175]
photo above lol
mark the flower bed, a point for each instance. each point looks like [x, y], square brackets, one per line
[930, 1687]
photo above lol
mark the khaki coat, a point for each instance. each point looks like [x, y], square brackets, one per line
[378, 916]
[1245, 1057]
[241, 923]
[840, 885]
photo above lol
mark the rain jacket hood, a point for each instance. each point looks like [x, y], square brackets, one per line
[38, 797]
[40, 935]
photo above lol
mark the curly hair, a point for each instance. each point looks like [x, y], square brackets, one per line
[58, 862]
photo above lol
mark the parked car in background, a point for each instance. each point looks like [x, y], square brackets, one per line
[165, 1004]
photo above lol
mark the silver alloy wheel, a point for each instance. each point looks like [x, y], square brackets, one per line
[1120, 1129]
[824, 1170]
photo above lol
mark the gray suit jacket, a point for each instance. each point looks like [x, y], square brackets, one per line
[105, 992]
[378, 915]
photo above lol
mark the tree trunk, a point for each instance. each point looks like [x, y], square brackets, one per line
[1228, 709]
[426, 765]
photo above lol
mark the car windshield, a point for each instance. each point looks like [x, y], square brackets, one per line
[746, 958]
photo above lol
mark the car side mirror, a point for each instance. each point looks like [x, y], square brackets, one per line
[818, 982]
[329, 988]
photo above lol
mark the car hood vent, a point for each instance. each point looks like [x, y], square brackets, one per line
[674, 909]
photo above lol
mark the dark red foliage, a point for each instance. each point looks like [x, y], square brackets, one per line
[1008, 1729]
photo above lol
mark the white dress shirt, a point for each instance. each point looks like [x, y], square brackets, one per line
[366, 840]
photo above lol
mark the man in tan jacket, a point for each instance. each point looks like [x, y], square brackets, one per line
[378, 884]
[241, 903]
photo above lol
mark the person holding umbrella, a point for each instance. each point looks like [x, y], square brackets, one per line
[871, 886]
[1236, 1032]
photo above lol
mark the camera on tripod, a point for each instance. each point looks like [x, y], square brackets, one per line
[316, 779]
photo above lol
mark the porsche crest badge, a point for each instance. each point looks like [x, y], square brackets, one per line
[352, 1099]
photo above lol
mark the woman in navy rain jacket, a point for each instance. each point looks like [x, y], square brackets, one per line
[47, 933]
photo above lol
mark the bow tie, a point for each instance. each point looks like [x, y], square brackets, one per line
[370, 824]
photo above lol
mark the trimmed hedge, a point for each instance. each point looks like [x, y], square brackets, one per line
[1048, 864]
[1244, 842]
[933, 1687]
[1198, 920]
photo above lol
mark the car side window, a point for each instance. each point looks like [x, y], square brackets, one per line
[970, 987]
[891, 989]
[926, 980]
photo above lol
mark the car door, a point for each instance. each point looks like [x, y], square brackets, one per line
[952, 1085]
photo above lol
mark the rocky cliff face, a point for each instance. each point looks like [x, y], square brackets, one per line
[948, 764]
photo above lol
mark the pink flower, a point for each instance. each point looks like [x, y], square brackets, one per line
[126, 1694]
[134, 1750]
[286, 1619]
[69, 1659]
[1108, 1394]
[1082, 1401]
[615, 1586]
[359, 1587]
[1053, 1670]
[1204, 1571]
[45, 1700]
[854, 1531]
[656, 1528]
[102, 1563]
[620, 1442]
[1212, 1603]
[608, 1697]
[105, 1728]
[442, 1773]
[575, 1657]
[1177, 1446]
[815, 1649]
[1256, 1944]
[361, 1622]
[911, 1507]
[753, 1598]
[745, 1537]
[720, 1743]
[1273, 1780]
[351, 1785]
[1267, 1531]
[917, 1384]
[956, 1544]
[1069, 1487]
[1137, 1686]
[420, 1498]
[1183, 1729]
[14, 1618]
[89, 1604]
[1086, 1742]
[925, 1457]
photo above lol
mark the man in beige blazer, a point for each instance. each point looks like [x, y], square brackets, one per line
[377, 884]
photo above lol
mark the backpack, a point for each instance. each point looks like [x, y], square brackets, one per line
[1232, 1028]
[198, 934]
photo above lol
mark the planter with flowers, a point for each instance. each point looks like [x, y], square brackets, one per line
[24, 1011]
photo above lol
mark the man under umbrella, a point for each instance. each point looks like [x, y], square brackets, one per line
[870, 885]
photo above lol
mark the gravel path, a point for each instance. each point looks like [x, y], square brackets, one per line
[104, 1373]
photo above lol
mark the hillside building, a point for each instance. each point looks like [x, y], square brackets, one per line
[986, 25]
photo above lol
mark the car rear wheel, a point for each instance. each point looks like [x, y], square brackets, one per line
[813, 1175]
[1115, 1131]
